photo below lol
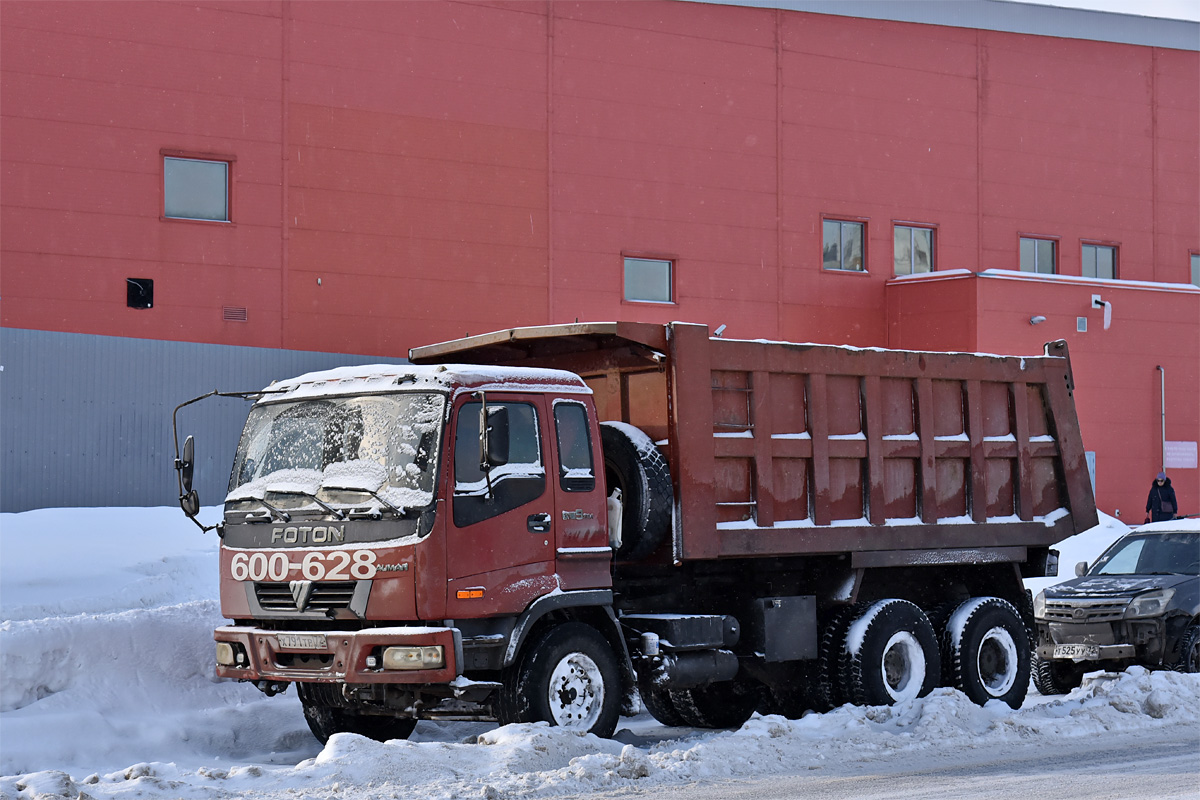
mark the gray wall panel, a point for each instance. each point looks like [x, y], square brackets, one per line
[86, 420]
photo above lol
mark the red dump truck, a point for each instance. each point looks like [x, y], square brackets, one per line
[548, 523]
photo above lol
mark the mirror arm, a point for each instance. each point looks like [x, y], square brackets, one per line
[485, 465]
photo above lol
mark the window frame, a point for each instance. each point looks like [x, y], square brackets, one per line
[578, 483]
[915, 226]
[672, 262]
[1098, 243]
[191, 155]
[1054, 241]
[1194, 266]
[842, 219]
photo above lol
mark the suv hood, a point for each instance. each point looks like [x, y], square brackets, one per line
[1115, 585]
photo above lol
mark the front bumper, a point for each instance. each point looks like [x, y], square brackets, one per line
[342, 659]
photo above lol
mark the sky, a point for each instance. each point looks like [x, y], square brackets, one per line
[1170, 9]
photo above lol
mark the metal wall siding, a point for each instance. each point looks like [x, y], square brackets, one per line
[86, 420]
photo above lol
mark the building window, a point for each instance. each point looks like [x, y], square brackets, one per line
[649, 280]
[1196, 268]
[1038, 255]
[914, 249]
[1099, 261]
[842, 245]
[195, 188]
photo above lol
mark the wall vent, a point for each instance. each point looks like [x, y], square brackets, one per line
[233, 314]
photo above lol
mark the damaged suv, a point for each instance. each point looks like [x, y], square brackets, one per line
[1138, 604]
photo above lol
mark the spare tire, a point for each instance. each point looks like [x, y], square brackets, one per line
[634, 465]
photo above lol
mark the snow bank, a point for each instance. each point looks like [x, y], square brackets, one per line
[108, 691]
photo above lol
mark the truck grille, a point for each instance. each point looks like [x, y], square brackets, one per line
[325, 596]
[1104, 610]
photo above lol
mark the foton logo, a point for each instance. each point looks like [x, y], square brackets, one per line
[578, 513]
[309, 534]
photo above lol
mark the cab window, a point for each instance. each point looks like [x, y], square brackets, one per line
[522, 480]
[576, 472]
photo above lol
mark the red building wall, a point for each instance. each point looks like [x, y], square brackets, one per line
[413, 171]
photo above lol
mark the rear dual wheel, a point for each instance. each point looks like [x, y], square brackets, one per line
[891, 654]
[986, 652]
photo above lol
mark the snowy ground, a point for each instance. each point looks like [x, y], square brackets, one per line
[107, 692]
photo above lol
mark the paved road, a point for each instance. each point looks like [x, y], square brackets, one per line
[1162, 765]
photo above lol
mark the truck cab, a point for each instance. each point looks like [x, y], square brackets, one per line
[424, 514]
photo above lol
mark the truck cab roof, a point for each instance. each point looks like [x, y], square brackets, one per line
[377, 378]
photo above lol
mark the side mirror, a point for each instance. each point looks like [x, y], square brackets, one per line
[190, 503]
[495, 438]
[1081, 569]
[187, 464]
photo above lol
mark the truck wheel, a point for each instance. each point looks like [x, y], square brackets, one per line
[727, 704]
[986, 651]
[1055, 677]
[635, 466]
[568, 677]
[829, 688]
[891, 654]
[658, 702]
[1189, 650]
[792, 690]
[324, 720]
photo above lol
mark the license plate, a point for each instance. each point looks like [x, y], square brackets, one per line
[1087, 652]
[302, 641]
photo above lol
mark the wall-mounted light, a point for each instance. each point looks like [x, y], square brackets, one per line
[1037, 320]
[1107, 306]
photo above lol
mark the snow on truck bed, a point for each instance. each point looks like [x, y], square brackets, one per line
[108, 692]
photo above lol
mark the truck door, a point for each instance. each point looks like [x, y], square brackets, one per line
[502, 535]
[581, 511]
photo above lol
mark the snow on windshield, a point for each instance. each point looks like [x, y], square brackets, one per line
[340, 448]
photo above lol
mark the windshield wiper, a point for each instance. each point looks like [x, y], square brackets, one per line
[272, 512]
[328, 509]
[374, 513]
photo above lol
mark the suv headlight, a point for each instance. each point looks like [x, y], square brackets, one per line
[1039, 606]
[1150, 604]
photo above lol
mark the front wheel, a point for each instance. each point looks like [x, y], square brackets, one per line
[568, 677]
[325, 718]
[986, 651]
[1189, 650]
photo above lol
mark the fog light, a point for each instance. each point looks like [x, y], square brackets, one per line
[225, 654]
[414, 658]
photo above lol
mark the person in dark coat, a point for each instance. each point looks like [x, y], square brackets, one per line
[1160, 505]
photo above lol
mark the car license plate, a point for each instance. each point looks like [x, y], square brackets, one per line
[1086, 652]
[302, 641]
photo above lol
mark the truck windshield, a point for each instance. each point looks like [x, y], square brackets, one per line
[1172, 553]
[342, 450]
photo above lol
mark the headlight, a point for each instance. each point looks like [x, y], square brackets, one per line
[225, 654]
[1150, 604]
[414, 657]
[1039, 606]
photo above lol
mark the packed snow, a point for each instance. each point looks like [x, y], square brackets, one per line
[108, 692]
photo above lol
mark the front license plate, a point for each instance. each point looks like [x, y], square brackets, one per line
[1087, 652]
[302, 641]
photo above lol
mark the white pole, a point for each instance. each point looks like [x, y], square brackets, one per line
[1162, 393]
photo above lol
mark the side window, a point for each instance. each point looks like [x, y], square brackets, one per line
[522, 480]
[575, 469]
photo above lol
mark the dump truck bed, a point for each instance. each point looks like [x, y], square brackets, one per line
[776, 449]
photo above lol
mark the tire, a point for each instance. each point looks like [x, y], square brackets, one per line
[635, 466]
[568, 676]
[1055, 677]
[658, 703]
[325, 719]
[986, 651]
[1188, 650]
[727, 704]
[891, 654]
[829, 688]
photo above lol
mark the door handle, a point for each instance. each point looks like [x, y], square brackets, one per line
[538, 523]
